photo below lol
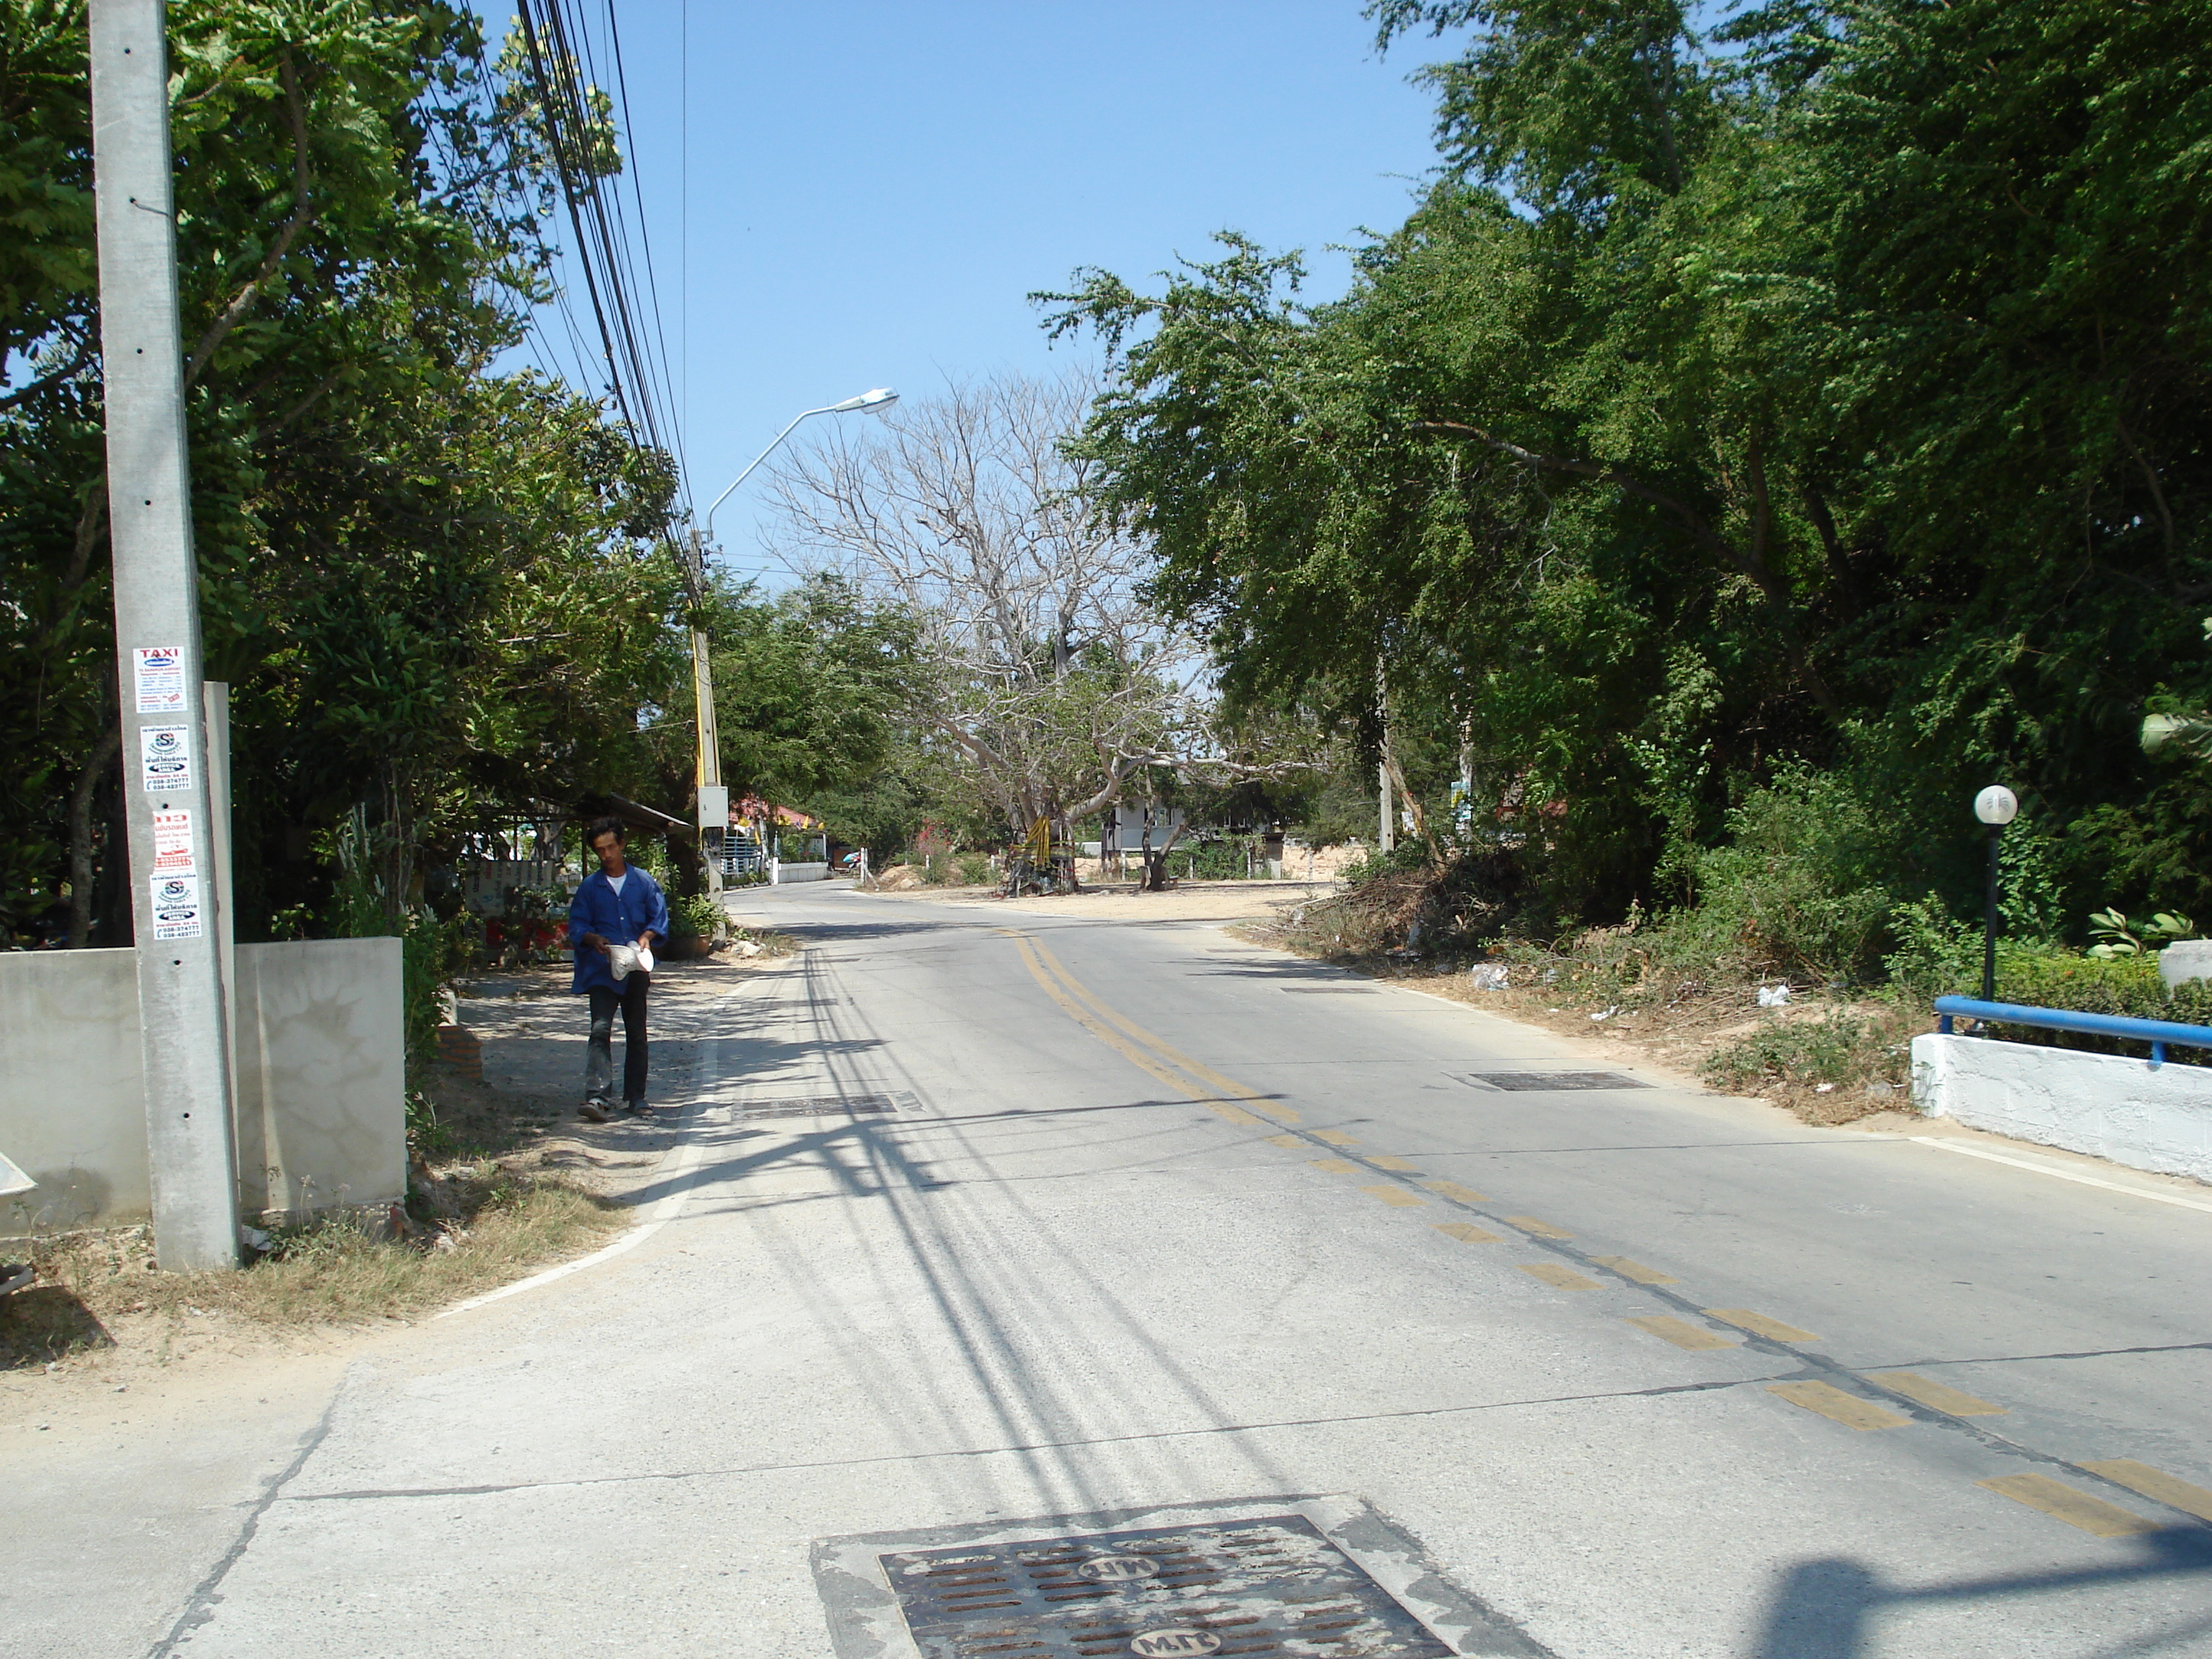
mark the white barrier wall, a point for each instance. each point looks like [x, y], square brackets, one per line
[2149, 1117]
[72, 1114]
[319, 1060]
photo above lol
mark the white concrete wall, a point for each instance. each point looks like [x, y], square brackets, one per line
[2149, 1117]
[781, 874]
[320, 1068]
[72, 1112]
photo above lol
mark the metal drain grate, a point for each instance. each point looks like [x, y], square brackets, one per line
[1270, 1585]
[1522, 1082]
[822, 1106]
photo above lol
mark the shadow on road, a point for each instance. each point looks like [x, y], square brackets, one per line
[1825, 1609]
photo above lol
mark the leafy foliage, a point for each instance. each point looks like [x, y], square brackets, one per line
[434, 588]
[1817, 408]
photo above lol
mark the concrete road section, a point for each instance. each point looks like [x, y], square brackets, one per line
[1011, 1265]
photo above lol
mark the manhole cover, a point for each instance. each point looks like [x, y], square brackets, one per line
[822, 1106]
[1530, 1081]
[1272, 1584]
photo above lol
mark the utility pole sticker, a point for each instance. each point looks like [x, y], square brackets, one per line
[164, 756]
[161, 679]
[177, 907]
[173, 844]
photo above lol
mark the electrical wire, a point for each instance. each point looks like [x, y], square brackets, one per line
[608, 250]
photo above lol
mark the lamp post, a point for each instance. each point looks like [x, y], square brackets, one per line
[1996, 806]
[872, 403]
[713, 799]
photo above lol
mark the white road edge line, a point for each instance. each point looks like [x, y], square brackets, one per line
[680, 1164]
[2064, 1175]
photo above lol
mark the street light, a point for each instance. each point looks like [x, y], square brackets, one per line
[713, 799]
[1996, 806]
[873, 403]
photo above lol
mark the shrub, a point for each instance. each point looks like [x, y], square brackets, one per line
[1796, 892]
[696, 917]
[1840, 1050]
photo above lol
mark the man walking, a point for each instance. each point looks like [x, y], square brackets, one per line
[618, 913]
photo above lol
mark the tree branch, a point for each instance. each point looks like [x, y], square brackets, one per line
[302, 211]
[1752, 564]
[83, 356]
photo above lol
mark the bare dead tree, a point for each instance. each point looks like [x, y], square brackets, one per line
[1044, 668]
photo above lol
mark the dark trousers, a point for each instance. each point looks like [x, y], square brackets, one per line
[599, 1054]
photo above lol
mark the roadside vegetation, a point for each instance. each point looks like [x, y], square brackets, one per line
[1757, 439]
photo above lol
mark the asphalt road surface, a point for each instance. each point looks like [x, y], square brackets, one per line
[993, 1227]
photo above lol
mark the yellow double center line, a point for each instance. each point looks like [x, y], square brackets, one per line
[1150, 1054]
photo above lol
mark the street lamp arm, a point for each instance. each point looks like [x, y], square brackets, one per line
[826, 408]
[873, 402]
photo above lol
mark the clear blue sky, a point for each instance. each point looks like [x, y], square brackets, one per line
[845, 194]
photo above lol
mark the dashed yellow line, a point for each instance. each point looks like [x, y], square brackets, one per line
[1936, 1396]
[1635, 1270]
[1760, 1325]
[1453, 1190]
[2155, 1483]
[1561, 1279]
[1396, 1197]
[1147, 1052]
[1847, 1409]
[2076, 1508]
[1467, 1233]
[1529, 1223]
[1681, 1332]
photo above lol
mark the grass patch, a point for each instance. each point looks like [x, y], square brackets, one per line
[499, 1227]
[771, 943]
[1831, 1066]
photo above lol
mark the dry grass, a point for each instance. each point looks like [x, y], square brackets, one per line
[334, 1274]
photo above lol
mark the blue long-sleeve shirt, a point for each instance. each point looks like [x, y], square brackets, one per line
[618, 918]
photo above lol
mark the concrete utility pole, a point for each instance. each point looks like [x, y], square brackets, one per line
[182, 1025]
[712, 797]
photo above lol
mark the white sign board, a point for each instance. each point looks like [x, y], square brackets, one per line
[177, 907]
[164, 756]
[173, 844]
[160, 678]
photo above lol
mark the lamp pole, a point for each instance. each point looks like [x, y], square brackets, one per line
[1996, 806]
[713, 799]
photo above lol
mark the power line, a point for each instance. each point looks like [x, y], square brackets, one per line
[633, 349]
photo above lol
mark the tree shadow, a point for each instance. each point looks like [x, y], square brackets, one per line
[1823, 1609]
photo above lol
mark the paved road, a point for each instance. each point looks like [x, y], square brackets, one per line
[1169, 1232]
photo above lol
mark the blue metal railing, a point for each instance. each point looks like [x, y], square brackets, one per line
[2156, 1032]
